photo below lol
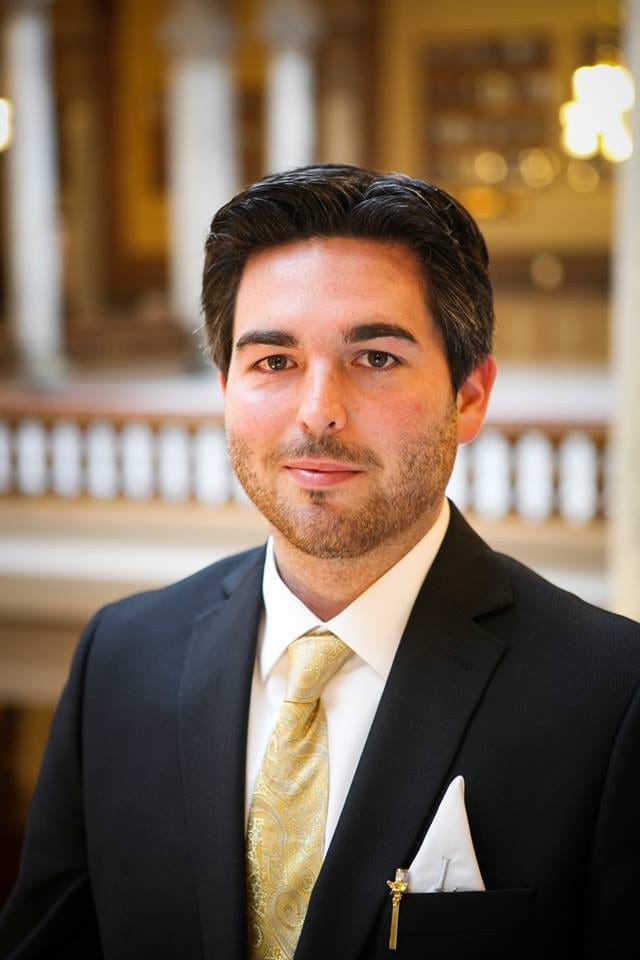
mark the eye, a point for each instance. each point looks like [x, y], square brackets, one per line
[274, 363]
[378, 359]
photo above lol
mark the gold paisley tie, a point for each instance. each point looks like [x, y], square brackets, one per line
[287, 818]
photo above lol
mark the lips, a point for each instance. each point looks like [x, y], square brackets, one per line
[321, 473]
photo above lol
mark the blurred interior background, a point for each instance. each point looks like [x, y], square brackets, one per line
[124, 124]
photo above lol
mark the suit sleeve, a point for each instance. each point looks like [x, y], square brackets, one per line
[614, 872]
[51, 911]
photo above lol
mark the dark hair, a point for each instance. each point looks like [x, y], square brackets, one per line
[330, 200]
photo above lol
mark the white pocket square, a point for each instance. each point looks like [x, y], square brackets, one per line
[446, 861]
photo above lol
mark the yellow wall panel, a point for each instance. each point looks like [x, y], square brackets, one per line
[555, 216]
[140, 65]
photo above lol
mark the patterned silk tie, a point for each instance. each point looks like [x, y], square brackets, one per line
[287, 819]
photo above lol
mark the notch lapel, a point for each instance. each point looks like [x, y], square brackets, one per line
[213, 715]
[443, 665]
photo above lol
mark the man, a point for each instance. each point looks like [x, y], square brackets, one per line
[241, 762]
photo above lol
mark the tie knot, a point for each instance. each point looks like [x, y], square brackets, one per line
[313, 659]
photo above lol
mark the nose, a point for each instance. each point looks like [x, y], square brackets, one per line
[322, 408]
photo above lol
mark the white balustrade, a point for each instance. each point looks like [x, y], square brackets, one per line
[459, 484]
[174, 463]
[137, 458]
[491, 491]
[67, 478]
[31, 458]
[211, 466]
[578, 493]
[6, 471]
[607, 460]
[534, 467]
[238, 494]
[102, 461]
[531, 472]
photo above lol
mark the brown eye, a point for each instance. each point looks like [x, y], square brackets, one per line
[277, 362]
[377, 358]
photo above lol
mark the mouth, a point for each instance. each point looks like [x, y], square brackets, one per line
[321, 473]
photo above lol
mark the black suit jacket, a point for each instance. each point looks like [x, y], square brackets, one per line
[135, 842]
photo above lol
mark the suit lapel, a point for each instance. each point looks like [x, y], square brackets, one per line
[443, 666]
[213, 712]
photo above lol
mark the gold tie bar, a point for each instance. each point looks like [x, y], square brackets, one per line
[398, 888]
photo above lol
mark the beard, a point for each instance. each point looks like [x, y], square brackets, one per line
[323, 529]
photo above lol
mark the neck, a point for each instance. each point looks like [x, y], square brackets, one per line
[328, 586]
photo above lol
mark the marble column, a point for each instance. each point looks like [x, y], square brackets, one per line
[203, 165]
[290, 29]
[33, 236]
[343, 97]
[625, 357]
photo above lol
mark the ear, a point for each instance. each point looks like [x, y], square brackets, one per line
[473, 398]
[222, 380]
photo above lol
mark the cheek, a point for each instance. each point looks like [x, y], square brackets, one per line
[250, 415]
[397, 415]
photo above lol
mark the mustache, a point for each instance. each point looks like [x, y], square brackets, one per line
[329, 447]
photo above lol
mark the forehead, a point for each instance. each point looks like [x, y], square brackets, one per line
[331, 279]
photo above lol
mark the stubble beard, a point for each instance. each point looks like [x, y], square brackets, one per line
[323, 530]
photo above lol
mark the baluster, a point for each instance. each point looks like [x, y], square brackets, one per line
[6, 466]
[102, 460]
[458, 488]
[174, 472]
[578, 481]
[605, 479]
[31, 454]
[238, 493]
[211, 465]
[491, 489]
[534, 466]
[66, 459]
[137, 459]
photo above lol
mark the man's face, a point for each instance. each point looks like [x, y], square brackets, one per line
[341, 421]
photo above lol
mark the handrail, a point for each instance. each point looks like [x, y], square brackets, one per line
[130, 442]
[126, 404]
[118, 405]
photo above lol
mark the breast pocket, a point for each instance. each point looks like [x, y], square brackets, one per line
[491, 923]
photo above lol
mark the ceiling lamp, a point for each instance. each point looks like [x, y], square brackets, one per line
[595, 120]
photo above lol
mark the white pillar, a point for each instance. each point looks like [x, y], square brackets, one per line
[203, 168]
[344, 98]
[290, 29]
[625, 352]
[33, 250]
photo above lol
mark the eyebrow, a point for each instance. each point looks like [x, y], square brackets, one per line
[357, 334]
[271, 338]
[372, 331]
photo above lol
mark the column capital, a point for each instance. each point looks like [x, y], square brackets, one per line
[197, 28]
[291, 24]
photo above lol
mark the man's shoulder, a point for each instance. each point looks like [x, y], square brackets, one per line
[186, 598]
[550, 610]
[514, 596]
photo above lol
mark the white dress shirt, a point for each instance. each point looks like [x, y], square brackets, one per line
[372, 626]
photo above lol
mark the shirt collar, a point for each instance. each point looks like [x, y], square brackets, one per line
[372, 625]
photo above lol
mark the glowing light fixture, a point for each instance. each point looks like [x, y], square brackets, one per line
[538, 166]
[595, 120]
[582, 176]
[491, 167]
[6, 123]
